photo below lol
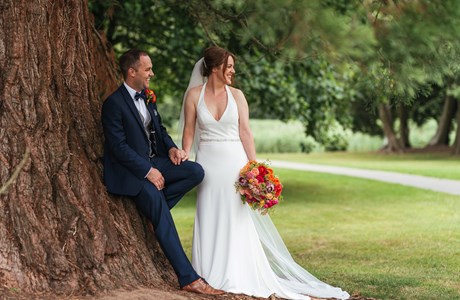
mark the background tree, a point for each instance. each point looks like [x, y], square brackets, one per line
[279, 67]
[395, 49]
[290, 67]
[167, 30]
[454, 93]
[417, 45]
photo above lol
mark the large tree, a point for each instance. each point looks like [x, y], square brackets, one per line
[60, 231]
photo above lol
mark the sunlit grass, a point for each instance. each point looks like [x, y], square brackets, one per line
[377, 239]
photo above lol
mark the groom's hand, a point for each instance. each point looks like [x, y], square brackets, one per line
[177, 156]
[155, 177]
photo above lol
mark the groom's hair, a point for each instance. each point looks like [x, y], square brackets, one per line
[130, 59]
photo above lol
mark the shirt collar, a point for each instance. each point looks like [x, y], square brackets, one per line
[132, 92]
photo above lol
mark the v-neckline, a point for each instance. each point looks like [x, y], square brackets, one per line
[206, 106]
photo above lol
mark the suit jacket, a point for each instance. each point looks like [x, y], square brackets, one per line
[126, 147]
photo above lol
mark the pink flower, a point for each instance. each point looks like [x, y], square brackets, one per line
[270, 187]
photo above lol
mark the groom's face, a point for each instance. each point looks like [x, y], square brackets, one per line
[142, 73]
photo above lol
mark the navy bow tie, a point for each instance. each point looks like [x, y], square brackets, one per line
[140, 95]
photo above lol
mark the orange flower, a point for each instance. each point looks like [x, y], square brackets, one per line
[151, 97]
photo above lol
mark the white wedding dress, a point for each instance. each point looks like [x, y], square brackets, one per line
[235, 248]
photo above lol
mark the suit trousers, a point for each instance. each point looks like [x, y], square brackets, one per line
[156, 204]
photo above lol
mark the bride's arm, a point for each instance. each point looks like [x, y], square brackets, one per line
[245, 131]
[189, 120]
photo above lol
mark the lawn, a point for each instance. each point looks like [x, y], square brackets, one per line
[379, 240]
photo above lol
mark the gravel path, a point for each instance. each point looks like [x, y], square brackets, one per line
[448, 186]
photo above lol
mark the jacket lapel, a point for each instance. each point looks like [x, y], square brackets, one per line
[154, 114]
[132, 107]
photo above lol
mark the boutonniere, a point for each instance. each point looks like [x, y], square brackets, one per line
[150, 96]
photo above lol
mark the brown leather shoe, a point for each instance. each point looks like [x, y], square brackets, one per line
[201, 287]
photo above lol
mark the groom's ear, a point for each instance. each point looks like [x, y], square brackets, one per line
[131, 72]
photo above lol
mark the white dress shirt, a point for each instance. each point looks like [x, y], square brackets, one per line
[141, 107]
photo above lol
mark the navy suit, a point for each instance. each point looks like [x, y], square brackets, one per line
[127, 162]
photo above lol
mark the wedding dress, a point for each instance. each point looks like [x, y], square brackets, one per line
[235, 248]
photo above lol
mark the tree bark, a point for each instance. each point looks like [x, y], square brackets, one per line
[59, 229]
[456, 146]
[393, 143]
[404, 126]
[441, 137]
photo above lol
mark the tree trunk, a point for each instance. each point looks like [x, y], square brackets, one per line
[59, 230]
[456, 147]
[441, 137]
[393, 143]
[404, 126]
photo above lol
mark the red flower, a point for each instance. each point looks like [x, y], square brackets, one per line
[260, 178]
[262, 170]
[151, 97]
[278, 189]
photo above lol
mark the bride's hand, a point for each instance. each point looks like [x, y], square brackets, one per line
[177, 156]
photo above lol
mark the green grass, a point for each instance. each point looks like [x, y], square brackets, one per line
[434, 165]
[376, 239]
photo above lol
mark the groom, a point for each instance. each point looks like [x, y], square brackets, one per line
[142, 161]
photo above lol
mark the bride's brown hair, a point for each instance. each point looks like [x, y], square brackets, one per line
[215, 56]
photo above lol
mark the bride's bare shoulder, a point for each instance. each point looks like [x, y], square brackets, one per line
[194, 93]
[237, 94]
[196, 89]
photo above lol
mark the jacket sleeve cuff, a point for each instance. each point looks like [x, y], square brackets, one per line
[150, 170]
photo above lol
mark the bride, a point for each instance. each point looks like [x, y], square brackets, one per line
[234, 248]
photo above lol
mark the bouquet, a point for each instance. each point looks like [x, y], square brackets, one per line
[258, 186]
